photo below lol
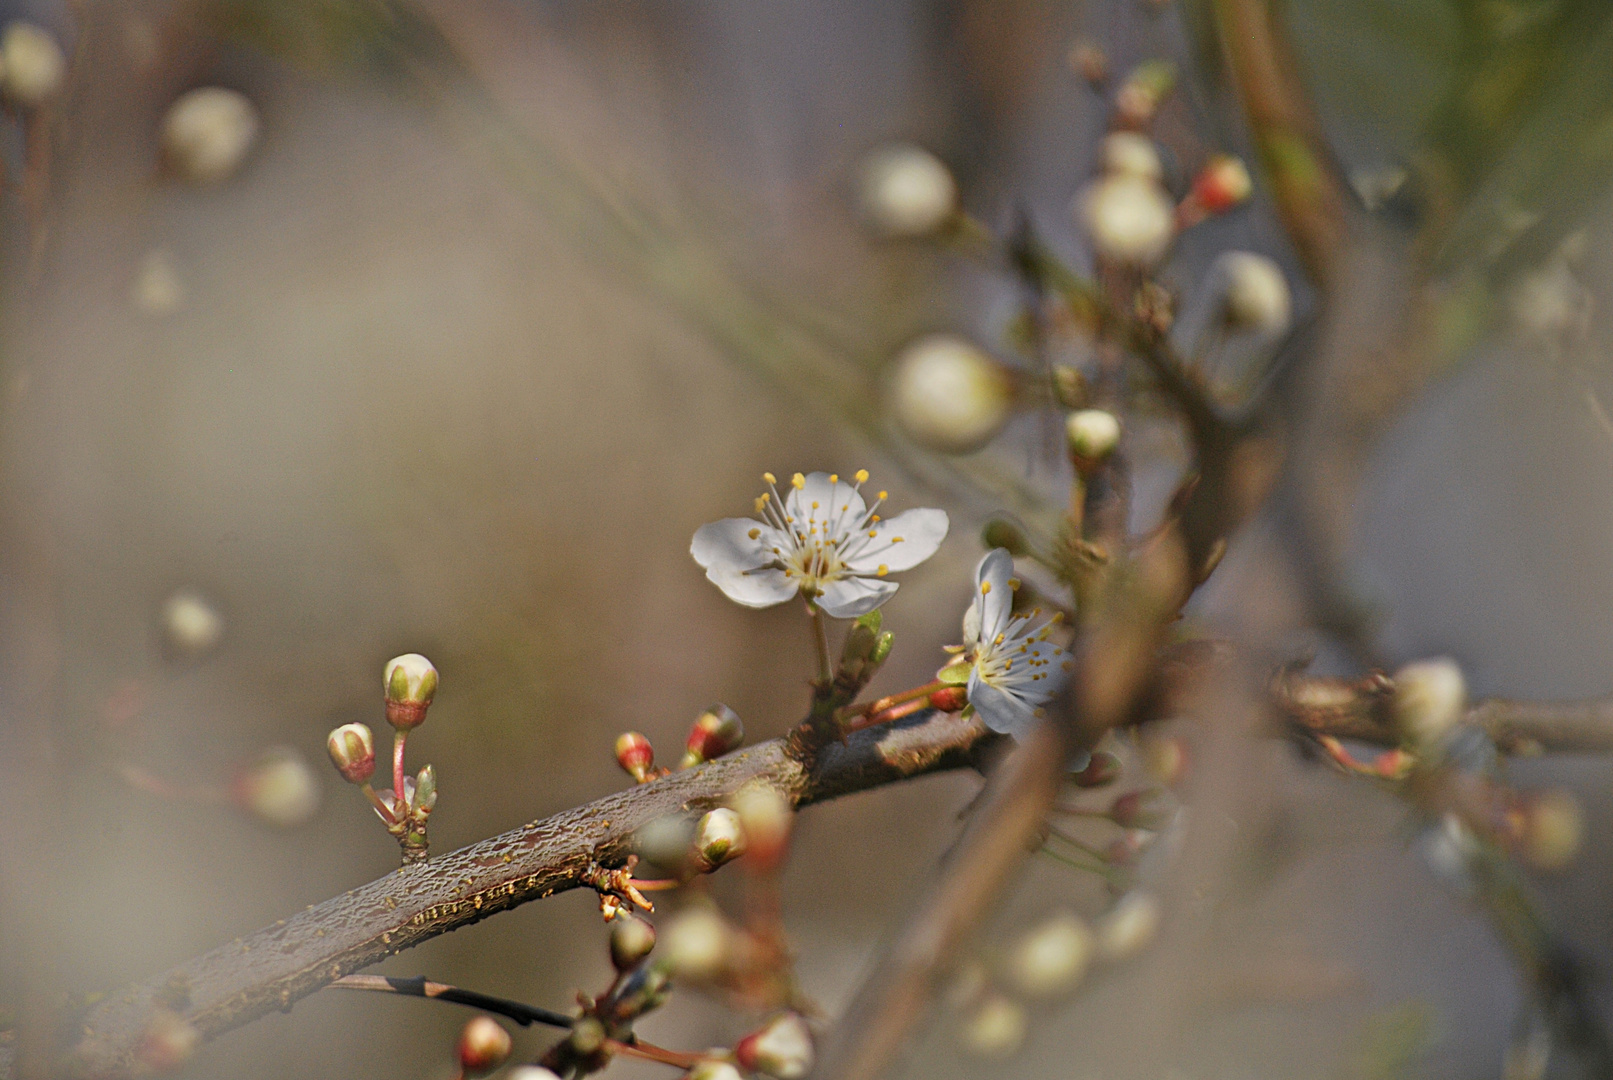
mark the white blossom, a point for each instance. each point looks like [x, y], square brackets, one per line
[1015, 670]
[821, 542]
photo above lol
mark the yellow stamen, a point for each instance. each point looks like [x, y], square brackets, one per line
[862, 476]
[1013, 583]
[799, 481]
[770, 478]
[883, 570]
[985, 587]
[884, 494]
[754, 533]
[834, 478]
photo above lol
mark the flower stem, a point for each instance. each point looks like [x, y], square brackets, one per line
[375, 801]
[650, 1052]
[820, 636]
[881, 704]
[398, 800]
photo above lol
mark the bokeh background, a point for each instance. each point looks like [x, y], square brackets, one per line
[506, 301]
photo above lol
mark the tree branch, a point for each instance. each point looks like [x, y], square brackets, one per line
[277, 966]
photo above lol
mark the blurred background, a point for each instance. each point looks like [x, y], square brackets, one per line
[505, 299]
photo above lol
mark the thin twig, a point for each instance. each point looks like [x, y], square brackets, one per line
[421, 987]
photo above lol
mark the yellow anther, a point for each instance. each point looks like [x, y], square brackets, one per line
[814, 504]
[862, 476]
[761, 502]
[770, 478]
[874, 518]
[834, 478]
[799, 481]
[883, 570]
[896, 539]
[754, 533]
[1013, 583]
[884, 494]
[985, 587]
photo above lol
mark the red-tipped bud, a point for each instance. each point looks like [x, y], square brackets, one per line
[782, 1049]
[715, 732]
[483, 1046]
[635, 755]
[352, 751]
[1222, 184]
[1104, 768]
[410, 682]
[951, 699]
[765, 819]
[631, 940]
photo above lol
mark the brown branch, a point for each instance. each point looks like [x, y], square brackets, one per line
[275, 967]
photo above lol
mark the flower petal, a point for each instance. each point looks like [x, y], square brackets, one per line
[850, 597]
[900, 543]
[836, 505]
[1000, 710]
[993, 594]
[753, 588]
[734, 544]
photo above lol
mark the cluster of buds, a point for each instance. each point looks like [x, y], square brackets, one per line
[410, 683]
[715, 732]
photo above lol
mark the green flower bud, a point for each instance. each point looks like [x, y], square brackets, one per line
[352, 751]
[999, 533]
[425, 791]
[719, 837]
[631, 940]
[410, 683]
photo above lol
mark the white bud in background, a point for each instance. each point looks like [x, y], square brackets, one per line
[996, 1028]
[1430, 698]
[948, 395]
[695, 945]
[279, 788]
[1051, 958]
[157, 289]
[713, 1069]
[1129, 927]
[190, 625]
[1257, 299]
[1126, 153]
[719, 837]
[1130, 219]
[782, 1049]
[906, 191]
[31, 65]
[208, 132]
[1553, 828]
[530, 1072]
[1092, 434]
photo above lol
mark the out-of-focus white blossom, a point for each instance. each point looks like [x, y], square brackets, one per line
[1129, 218]
[190, 624]
[1051, 958]
[906, 191]
[31, 65]
[949, 395]
[1430, 698]
[1126, 153]
[208, 132]
[279, 788]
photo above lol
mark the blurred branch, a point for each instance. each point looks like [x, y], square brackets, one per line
[273, 968]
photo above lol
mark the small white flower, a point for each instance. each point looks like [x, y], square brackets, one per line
[821, 541]
[1015, 670]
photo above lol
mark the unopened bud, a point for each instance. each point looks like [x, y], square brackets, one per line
[168, 1042]
[1070, 386]
[882, 649]
[208, 132]
[697, 945]
[483, 1046]
[863, 640]
[1051, 958]
[1552, 830]
[279, 788]
[587, 1036]
[191, 626]
[718, 838]
[1092, 434]
[31, 65]
[1006, 535]
[715, 732]
[1103, 768]
[996, 1028]
[1126, 153]
[713, 1069]
[410, 683]
[956, 672]
[1430, 699]
[530, 1072]
[646, 987]
[1129, 219]
[635, 755]
[948, 395]
[424, 798]
[765, 820]
[1128, 927]
[1257, 299]
[952, 699]
[1088, 61]
[906, 191]
[1222, 184]
[352, 751]
[782, 1049]
[631, 940]
[1140, 95]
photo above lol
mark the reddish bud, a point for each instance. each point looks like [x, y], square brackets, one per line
[352, 751]
[635, 755]
[483, 1046]
[715, 732]
[1127, 809]
[1222, 184]
[1104, 768]
[951, 699]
